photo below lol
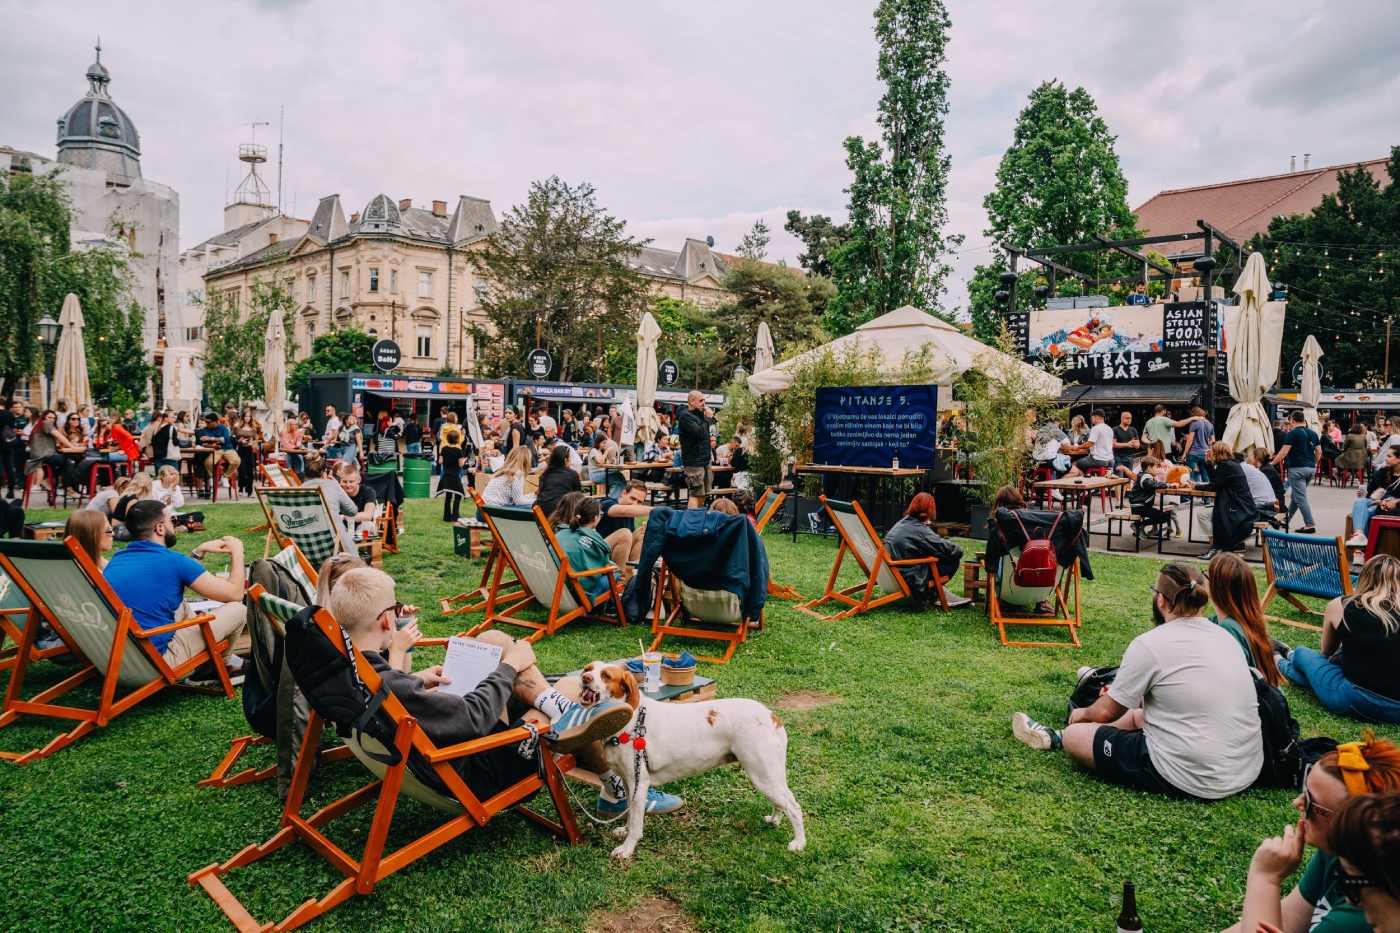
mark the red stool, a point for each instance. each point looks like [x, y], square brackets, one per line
[49, 477]
[232, 482]
[1041, 474]
[1102, 493]
[111, 471]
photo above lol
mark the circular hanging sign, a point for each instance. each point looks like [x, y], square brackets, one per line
[1298, 373]
[386, 355]
[669, 372]
[539, 363]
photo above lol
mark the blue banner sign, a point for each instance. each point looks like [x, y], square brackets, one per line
[873, 426]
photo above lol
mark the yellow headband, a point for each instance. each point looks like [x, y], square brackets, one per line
[1353, 767]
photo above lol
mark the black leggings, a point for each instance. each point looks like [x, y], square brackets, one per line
[451, 506]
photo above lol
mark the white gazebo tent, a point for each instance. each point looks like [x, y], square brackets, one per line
[898, 334]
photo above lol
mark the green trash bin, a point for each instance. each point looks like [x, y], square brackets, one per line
[389, 466]
[417, 477]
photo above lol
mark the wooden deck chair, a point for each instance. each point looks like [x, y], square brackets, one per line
[530, 548]
[276, 612]
[65, 589]
[273, 475]
[388, 525]
[301, 516]
[1304, 565]
[1003, 593]
[709, 615]
[14, 616]
[882, 572]
[767, 507]
[510, 590]
[421, 770]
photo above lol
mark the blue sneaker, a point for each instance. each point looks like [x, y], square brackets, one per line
[658, 801]
[581, 725]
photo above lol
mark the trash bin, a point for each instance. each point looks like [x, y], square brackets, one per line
[389, 466]
[417, 476]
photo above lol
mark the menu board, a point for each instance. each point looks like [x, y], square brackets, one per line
[1184, 325]
[1019, 326]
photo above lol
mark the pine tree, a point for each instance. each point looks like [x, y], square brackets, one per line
[754, 245]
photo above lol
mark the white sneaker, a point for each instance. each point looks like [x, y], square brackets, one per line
[1356, 540]
[1029, 732]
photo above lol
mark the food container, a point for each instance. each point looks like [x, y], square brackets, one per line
[677, 676]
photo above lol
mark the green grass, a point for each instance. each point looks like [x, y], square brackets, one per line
[922, 811]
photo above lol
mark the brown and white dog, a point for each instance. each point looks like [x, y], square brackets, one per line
[684, 739]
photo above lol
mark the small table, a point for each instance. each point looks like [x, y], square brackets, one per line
[1081, 487]
[371, 550]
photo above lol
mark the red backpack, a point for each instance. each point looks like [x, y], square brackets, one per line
[1036, 568]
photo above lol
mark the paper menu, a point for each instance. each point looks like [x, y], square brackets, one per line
[467, 663]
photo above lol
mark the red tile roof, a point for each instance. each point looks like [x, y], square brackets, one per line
[1243, 208]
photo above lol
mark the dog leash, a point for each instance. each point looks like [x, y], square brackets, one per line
[637, 739]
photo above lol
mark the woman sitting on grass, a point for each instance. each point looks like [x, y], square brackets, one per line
[1318, 903]
[575, 522]
[1237, 611]
[1357, 672]
[913, 537]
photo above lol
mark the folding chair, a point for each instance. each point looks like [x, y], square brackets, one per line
[1304, 565]
[14, 616]
[767, 507]
[65, 589]
[529, 547]
[273, 475]
[709, 615]
[420, 769]
[882, 572]
[1003, 591]
[474, 600]
[301, 516]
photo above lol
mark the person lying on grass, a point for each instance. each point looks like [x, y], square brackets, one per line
[1181, 717]
[1317, 903]
[364, 603]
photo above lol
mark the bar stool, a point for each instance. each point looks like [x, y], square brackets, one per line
[50, 478]
[232, 478]
[103, 465]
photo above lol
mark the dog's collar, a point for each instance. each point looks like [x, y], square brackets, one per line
[637, 737]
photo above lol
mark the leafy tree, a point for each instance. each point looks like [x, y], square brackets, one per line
[113, 324]
[560, 279]
[790, 302]
[1342, 269]
[820, 237]
[754, 245]
[337, 351]
[690, 336]
[896, 253]
[235, 340]
[1058, 182]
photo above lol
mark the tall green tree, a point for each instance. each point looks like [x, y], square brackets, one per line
[754, 245]
[235, 339]
[560, 279]
[791, 303]
[337, 351]
[897, 253]
[1058, 182]
[820, 239]
[1341, 264]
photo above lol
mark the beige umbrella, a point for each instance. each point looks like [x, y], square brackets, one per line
[648, 333]
[1311, 389]
[474, 425]
[275, 372]
[1253, 360]
[70, 374]
[763, 355]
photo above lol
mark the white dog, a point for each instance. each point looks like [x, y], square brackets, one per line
[678, 740]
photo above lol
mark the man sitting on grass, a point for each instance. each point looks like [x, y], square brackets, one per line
[1181, 717]
[364, 604]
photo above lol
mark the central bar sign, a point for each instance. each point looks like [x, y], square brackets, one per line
[873, 426]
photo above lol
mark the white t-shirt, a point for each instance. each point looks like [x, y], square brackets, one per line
[548, 425]
[1200, 711]
[1101, 439]
[332, 435]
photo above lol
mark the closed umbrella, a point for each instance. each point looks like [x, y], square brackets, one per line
[275, 372]
[1252, 367]
[648, 333]
[1311, 389]
[70, 374]
[763, 354]
[474, 425]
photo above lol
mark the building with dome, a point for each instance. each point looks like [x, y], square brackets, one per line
[113, 204]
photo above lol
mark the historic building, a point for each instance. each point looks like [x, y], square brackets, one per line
[392, 270]
[696, 273]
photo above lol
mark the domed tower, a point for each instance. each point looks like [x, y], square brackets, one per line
[95, 133]
[381, 215]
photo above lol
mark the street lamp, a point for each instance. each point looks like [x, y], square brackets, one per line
[48, 337]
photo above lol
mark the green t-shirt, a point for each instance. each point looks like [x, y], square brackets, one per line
[1237, 633]
[1331, 912]
[586, 550]
[1159, 428]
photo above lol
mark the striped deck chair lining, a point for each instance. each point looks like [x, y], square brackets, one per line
[287, 560]
[302, 517]
[282, 610]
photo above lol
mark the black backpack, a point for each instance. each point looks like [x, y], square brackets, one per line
[1283, 752]
[1090, 687]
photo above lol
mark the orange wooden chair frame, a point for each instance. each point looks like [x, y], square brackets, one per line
[10, 629]
[108, 706]
[566, 576]
[767, 507]
[663, 621]
[867, 599]
[475, 600]
[1066, 591]
[388, 524]
[374, 863]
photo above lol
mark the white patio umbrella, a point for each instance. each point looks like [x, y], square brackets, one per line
[70, 374]
[1252, 343]
[1311, 389]
[763, 353]
[648, 333]
[275, 373]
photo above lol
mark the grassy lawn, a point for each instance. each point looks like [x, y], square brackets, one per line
[922, 811]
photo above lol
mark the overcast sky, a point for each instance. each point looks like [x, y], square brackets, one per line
[690, 119]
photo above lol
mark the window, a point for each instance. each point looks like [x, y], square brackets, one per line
[425, 285]
[425, 340]
[344, 282]
[310, 335]
[310, 289]
[193, 334]
[374, 278]
[393, 281]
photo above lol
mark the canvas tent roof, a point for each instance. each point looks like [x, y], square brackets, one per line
[897, 334]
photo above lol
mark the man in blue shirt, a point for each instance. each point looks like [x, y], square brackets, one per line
[217, 440]
[1300, 454]
[151, 579]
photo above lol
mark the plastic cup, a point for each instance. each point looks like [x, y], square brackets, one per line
[652, 662]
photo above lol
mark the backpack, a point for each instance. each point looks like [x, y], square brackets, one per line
[267, 648]
[1283, 752]
[1037, 565]
[1090, 687]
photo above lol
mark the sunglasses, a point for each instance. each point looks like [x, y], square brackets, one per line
[1311, 807]
[1351, 885]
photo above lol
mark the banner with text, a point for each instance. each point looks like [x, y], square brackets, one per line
[875, 425]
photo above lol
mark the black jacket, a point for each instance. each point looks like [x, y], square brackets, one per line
[1384, 479]
[1271, 474]
[910, 538]
[555, 484]
[695, 438]
[1232, 520]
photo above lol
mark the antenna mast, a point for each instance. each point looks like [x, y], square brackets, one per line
[281, 125]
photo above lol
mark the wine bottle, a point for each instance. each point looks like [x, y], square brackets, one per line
[1128, 921]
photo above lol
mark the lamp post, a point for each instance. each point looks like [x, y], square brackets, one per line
[48, 337]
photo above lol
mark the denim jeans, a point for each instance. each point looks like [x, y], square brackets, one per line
[1197, 463]
[1308, 668]
[1298, 479]
[1361, 512]
[414, 448]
